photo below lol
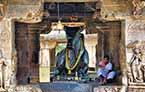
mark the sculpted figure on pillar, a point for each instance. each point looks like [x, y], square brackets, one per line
[2, 65]
[136, 62]
[12, 76]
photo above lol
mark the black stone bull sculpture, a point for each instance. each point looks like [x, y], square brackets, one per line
[74, 58]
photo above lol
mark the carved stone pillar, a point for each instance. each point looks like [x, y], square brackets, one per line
[44, 61]
[46, 58]
[6, 50]
[90, 44]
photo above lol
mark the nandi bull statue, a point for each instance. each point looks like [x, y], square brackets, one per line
[73, 60]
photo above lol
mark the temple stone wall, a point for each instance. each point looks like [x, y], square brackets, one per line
[13, 11]
[28, 11]
[6, 38]
[8, 54]
[135, 51]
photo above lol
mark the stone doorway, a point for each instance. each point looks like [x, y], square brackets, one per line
[27, 46]
[109, 41]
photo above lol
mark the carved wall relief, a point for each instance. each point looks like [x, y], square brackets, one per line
[138, 6]
[12, 75]
[108, 89]
[136, 89]
[28, 11]
[136, 62]
[135, 51]
[2, 73]
[135, 30]
[32, 17]
[5, 36]
[7, 71]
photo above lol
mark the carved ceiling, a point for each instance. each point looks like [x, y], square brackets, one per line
[69, 11]
[87, 12]
[109, 9]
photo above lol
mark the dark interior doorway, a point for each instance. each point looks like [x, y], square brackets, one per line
[109, 41]
[27, 45]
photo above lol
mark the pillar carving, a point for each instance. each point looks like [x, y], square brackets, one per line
[135, 51]
[6, 41]
[138, 6]
[3, 65]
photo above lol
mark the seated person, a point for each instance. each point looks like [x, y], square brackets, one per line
[105, 72]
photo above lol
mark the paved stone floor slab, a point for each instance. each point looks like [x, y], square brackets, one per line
[67, 86]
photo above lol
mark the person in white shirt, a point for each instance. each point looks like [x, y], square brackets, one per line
[105, 71]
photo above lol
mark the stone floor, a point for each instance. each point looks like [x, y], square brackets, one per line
[72, 86]
[66, 86]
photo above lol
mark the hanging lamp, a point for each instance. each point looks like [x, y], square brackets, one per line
[59, 25]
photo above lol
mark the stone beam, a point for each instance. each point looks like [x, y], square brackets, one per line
[28, 11]
[25, 13]
[24, 2]
[70, 23]
[71, 0]
[115, 9]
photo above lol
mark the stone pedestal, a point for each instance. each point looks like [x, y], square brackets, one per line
[44, 75]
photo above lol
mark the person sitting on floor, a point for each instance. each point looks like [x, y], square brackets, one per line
[105, 72]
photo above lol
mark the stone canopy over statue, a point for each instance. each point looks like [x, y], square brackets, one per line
[73, 60]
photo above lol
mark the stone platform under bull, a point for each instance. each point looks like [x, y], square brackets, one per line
[67, 86]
